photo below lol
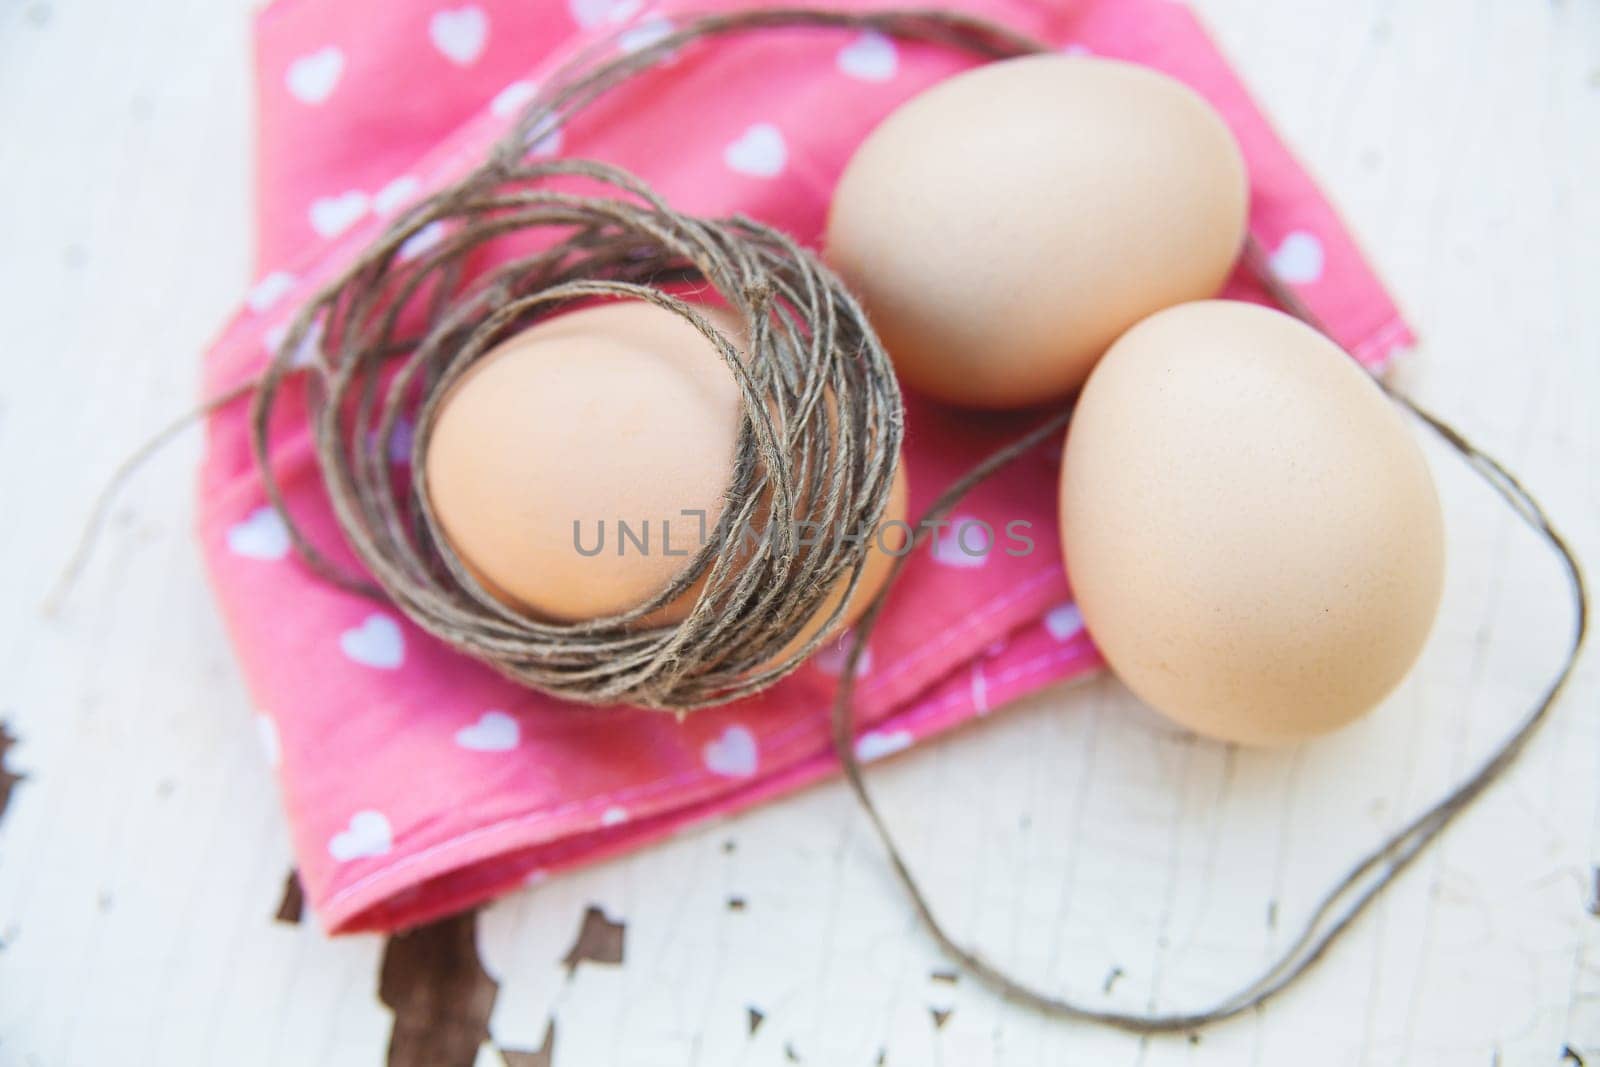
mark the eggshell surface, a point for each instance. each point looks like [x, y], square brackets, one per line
[1003, 228]
[1250, 528]
[617, 413]
[621, 412]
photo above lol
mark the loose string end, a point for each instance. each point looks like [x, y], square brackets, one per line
[100, 510]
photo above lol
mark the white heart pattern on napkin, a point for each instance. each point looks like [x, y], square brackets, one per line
[377, 642]
[267, 732]
[259, 535]
[544, 144]
[591, 13]
[509, 102]
[638, 38]
[878, 744]
[332, 215]
[367, 835]
[1064, 621]
[1298, 259]
[872, 57]
[495, 731]
[460, 34]
[396, 195]
[312, 78]
[422, 240]
[305, 353]
[759, 152]
[964, 544]
[733, 755]
[269, 290]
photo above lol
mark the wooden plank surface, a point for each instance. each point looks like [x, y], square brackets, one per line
[143, 910]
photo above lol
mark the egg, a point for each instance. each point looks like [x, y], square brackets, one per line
[1004, 227]
[1250, 529]
[576, 468]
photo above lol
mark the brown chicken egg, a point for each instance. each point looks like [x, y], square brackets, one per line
[1250, 528]
[1004, 227]
[577, 467]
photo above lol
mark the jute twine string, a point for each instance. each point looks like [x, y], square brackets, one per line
[819, 442]
[375, 365]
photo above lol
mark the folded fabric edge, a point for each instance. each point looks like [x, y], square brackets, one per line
[474, 868]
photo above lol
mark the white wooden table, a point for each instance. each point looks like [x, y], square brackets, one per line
[142, 855]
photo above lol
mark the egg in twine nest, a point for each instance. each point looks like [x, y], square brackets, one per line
[820, 436]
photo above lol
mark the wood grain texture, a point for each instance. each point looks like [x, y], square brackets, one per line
[142, 857]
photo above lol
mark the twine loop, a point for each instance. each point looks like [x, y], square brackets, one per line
[819, 438]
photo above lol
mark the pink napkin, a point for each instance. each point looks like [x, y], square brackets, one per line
[418, 782]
